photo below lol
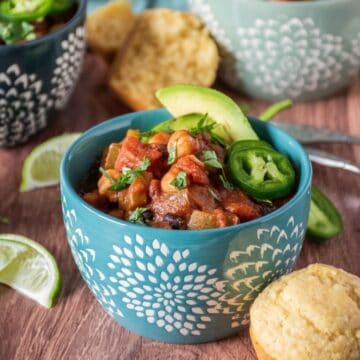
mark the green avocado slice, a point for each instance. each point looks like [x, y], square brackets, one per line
[191, 99]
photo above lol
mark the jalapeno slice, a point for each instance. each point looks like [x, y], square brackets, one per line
[24, 10]
[60, 6]
[324, 219]
[249, 144]
[261, 172]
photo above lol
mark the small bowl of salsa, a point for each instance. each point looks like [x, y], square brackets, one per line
[41, 49]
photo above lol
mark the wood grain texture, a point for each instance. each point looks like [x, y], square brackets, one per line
[77, 328]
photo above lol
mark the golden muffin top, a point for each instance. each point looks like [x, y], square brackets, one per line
[313, 313]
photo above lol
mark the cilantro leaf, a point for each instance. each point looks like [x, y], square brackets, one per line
[128, 175]
[202, 126]
[180, 180]
[209, 129]
[137, 216]
[14, 32]
[104, 172]
[225, 181]
[143, 165]
[172, 154]
[211, 159]
[214, 194]
[146, 135]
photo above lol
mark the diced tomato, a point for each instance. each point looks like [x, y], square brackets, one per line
[240, 204]
[133, 152]
[175, 204]
[201, 198]
[194, 168]
[154, 188]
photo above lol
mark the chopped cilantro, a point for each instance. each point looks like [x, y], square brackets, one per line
[214, 194]
[146, 135]
[211, 159]
[225, 181]
[137, 216]
[128, 175]
[209, 129]
[172, 154]
[263, 201]
[180, 180]
[104, 172]
[202, 126]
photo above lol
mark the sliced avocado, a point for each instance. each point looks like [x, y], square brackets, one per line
[189, 99]
[183, 122]
[191, 121]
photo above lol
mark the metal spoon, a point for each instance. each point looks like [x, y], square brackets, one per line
[328, 159]
[307, 134]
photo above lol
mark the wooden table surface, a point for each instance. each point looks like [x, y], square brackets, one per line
[77, 327]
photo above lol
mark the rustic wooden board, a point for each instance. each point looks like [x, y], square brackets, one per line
[77, 328]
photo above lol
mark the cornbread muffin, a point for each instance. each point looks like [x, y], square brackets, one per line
[108, 27]
[165, 47]
[312, 313]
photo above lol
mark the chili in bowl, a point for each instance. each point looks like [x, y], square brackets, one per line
[180, 286]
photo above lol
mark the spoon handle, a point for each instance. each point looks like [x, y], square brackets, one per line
[307, 134]
[327, 159]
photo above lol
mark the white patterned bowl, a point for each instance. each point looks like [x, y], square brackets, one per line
[274, 50]
[179, 286]
[38, 77]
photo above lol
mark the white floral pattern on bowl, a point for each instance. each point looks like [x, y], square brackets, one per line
[282, 56]
[25, 98]
[85, 260]
[68, 67]
[249, 271]
[174, 293]
[23, 105]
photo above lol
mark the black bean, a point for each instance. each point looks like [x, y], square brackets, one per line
[176, 222]
[148, 216]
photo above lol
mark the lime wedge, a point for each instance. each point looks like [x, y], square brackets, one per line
[42, 166]
[29, 268]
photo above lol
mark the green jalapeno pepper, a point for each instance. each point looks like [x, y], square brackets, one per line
[261, 171]
[24, 10]
[249, 144]
[60, 6]
[324, 219]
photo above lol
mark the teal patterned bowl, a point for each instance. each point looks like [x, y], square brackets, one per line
[37, 78]
[273, 50]
[179, 286]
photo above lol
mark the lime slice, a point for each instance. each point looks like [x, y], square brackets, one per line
[29, 268]
[42, 166]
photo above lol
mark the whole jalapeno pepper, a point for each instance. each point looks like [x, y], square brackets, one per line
[261, 171]
[324, 219]
[24, 10]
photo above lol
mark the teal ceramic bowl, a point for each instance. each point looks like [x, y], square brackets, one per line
[179, 286]
[37, 78]
[302, 50]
